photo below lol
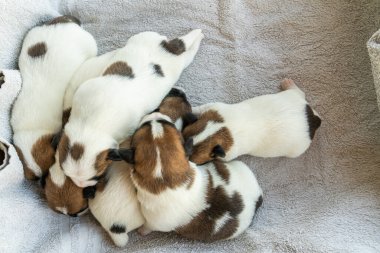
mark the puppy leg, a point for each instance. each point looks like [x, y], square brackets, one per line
[144, 230]
[120, 240]
[192, 41]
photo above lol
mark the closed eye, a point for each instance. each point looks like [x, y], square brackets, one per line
[96, 178]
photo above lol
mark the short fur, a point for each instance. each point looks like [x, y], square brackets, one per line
[175, 105]
[120, 215]
[107, 109]
[281, 124]
[49, 57]
[207, 203]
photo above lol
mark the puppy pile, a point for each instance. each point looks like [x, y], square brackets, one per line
[109, 133]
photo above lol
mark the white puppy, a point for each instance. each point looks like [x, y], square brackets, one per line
[281, 124]
[120, 215]
[50, 55]
[212, 202]
[107, 109]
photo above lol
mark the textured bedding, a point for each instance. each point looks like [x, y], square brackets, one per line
[327, 200]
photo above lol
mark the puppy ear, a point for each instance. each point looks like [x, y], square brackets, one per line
[189, 144]
[89, 192]
[218, 151]
[56, 139]
[121, 154]
[188, 119]
[114, 155]
[43, 180]
[127, 155]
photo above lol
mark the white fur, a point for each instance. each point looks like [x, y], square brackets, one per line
[107, 109]
[265, 126]
[174, 208]
[38, 109]
[117, 204]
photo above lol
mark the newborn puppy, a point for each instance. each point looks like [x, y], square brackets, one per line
[49, 56]
[122, 215]
[212, 202]
[62, 195]
[175, 106]
[107, 109]
[281, 124]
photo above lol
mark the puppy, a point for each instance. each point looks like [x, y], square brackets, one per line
[281, 124]
[107, 109]
[49, 56]
[120, 216]
[212, 202]
[175, 106]
[62, 195]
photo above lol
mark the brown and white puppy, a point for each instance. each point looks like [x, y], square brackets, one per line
[50, 55]
[212, 202]
[107, 109]
[62, 195]
[115, 204]
[281, 124]
[175, 106]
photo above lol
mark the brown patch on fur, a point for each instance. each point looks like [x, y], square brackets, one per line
[63, 148]
[203, 225]
[69, 196]
[43, 153]
[65, 116]
[202, 152]
[119, 68]
[222, 170]
[175, 172]
[37, 50]
[28, 173]
[174, 107]
[174, 46]
[102, 163]
[198, 126]
[63, 19]
[76, 151]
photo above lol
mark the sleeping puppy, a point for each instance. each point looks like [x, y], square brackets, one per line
[107, 109]
[175, 106]
[117, 217]
[49, 56]
[212, 202]
[65, 197]
[62, 195]
[281, 124]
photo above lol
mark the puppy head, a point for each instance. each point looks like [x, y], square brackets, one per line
[158, 154]
[212, 139]
[62, 195]
[175, 105]
[83, 155]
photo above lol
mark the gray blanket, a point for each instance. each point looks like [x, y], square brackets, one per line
[327, 200]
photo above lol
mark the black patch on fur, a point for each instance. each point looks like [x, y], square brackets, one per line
[43, 180]
[189, 144]
[158, 70]
[188, 119]
[175, 46]
[218, 151]
[259, 203]
[174, 92]
[2, 77]
[89, 192]
[127, 155]
[37, 50]
[118, 229]
[56, 139]
[313, 120]
[63, 19]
